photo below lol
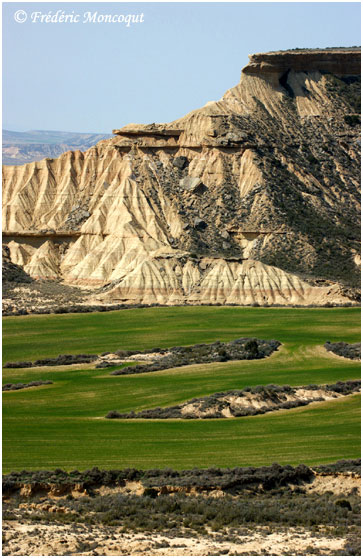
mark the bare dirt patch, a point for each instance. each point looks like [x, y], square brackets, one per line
[29, 539]
[267, 511]
[338, 483]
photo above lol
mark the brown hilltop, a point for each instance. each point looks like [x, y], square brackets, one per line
[253, 198]
[341, 62]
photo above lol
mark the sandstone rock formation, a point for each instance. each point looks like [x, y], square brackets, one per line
[250, 199]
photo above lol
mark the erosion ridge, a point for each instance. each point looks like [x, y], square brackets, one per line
[60, 482]
[251, 199]
[240, 512]
[249, 401]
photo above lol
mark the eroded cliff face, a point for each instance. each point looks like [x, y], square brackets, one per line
[253, 198]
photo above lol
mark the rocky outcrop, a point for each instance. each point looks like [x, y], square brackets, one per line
[340, 61]
[250, 199]
[12, 272]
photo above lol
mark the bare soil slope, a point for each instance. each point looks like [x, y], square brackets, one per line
[250, 199]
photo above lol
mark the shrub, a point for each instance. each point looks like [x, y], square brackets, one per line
[20, 364]
[212, 406]
[239, 349]
[351, 351]
[13, 387]
[150, 493]
[113, 414]
[343, 504]
[59, 360]
[352, 119]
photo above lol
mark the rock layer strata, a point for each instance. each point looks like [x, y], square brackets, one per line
[250, 199]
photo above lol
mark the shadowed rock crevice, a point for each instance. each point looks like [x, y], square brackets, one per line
[284, 83]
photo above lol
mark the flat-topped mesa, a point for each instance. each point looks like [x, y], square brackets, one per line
[341, 62]
[251, 199]
[148, 135]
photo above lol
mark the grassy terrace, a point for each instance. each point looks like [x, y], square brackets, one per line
[62, 425]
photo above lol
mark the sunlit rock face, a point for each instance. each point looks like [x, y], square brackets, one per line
[250, 199]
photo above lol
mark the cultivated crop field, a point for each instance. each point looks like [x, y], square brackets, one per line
[63, 425]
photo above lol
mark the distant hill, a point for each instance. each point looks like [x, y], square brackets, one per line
[25, 147]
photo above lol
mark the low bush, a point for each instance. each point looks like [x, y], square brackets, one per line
[60, 360]
[345, 388]
[346, 350]
[15, 387]
[352, 119]
[148, 512]
[341, 466]
[212, 406]
[276, 475]
[239, 349]
[19, 364]
[234, 481]
[113, 414]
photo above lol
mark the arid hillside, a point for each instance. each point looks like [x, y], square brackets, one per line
[251, 199]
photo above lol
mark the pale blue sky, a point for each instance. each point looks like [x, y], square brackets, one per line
[92, 77]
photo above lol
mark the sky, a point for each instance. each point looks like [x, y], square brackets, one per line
[93, 76]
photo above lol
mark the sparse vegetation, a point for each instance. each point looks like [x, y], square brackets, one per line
[213, 406]
[274, 496]
[61, 360]
[346, 350]
[352, 119]
[16, 387]
[341, 466]
[147, 513]
[206, 479]
[239, 349]
[181, 504]
[346, 89]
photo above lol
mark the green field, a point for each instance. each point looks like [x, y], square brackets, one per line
[62, 425]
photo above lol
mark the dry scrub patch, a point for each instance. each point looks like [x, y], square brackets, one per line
[32, 539]
[350, 351]
[246, 402]
[243, 511]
